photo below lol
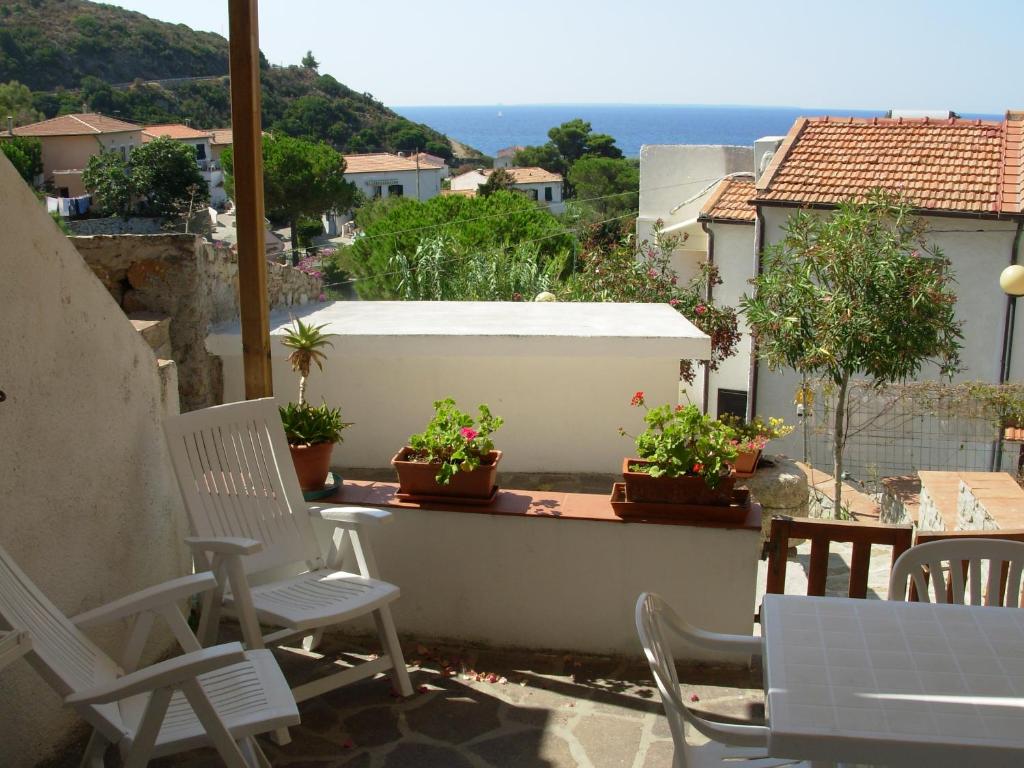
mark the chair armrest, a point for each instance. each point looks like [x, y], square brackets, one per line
[161, 675]
[147, 599]
[348, 516]
[225, 545]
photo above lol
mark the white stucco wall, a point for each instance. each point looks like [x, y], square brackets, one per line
[978, 251]
[88, 504]
[467, 180]
[672, 173]
[429, 182]
[734, 257]
[559, 583]
[560, 374]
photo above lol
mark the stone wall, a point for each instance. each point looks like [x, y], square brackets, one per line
[188, 280]
[138, 225]
[929, 517]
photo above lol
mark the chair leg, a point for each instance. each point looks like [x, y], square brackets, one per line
[312, 642]
[253, 754]
[218, 734]
[389, 637]
[94, 751]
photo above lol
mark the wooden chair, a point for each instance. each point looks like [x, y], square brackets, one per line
[219, 697]
[821, 533]
[250, 522]
[944, 569]
[728, 744]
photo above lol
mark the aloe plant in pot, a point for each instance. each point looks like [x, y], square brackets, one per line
[311, 430]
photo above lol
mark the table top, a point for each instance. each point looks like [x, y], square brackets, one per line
[892, 682]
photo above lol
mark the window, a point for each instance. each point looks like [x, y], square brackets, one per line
[124, 152]
[395, 190]
[532, 194]
[200, 151]
[63, 192]
[732, 401]
[376, 192]
[548, 196]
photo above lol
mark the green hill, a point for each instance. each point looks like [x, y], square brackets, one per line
[73, 53]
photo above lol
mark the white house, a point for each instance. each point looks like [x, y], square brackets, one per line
[536, 183]
[965, 177]
[382, 174]
[202, 143]
[505, 157]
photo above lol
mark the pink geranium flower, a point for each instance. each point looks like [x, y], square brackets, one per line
[468, 432]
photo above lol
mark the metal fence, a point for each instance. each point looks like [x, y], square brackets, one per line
[899, 429]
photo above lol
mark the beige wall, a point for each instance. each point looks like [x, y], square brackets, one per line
[88, 504]
[73, 152]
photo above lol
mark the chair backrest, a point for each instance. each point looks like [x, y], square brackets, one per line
[61, 653]
[650, 610]
[952, 566]
[237, 479]
[863, 536]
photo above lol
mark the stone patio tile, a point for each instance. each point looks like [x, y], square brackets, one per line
[425, 756]
[455, 716]
[610, 742]
[526, 749]
[659, 754]
[373, 727]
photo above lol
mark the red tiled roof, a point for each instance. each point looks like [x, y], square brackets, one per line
[173, 131]
[85, 124]
[383, 161]
[970, 166]
[221, 136]
[529, 175]
[730, 202]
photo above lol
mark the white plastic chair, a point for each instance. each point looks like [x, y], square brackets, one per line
[937, 570]
[727, 744]
[247, 512]
[219, 697]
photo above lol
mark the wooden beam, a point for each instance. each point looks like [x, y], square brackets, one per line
[247, 140]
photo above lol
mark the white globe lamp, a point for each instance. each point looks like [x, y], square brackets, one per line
[1011, 280]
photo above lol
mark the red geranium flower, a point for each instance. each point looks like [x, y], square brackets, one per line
[468, 432]
[638, 399]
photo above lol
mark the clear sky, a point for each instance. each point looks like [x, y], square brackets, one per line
[868, 54]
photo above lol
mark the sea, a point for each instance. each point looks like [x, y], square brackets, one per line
[490, 128]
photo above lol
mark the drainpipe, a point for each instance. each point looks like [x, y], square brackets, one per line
[1006, 358]
[711, 262]
[758, 253]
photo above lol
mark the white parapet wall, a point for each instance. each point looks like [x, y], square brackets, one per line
[558, 580]
[560, 374]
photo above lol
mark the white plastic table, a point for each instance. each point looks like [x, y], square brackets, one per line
[893, 683]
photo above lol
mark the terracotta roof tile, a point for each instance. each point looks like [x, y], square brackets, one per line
[85, 124]
[970, 166]
[377, 162]
[173, 131]
[530, 175]
[730, 201]
[221, 136]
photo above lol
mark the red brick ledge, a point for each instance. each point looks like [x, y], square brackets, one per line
[516, 503]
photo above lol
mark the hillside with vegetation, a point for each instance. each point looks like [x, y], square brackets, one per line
[74, 54]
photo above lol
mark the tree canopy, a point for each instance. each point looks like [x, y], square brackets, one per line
[157, 178]
[610, 187]
[496, 180]
[25, 154]
[397, 231]
[300, 178]
[858, 292]
[16, 101]
[569, 142]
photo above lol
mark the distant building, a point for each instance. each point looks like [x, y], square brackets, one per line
[69, 141]
[382, 174]
[220, 139]
[506, 156]
[202, 144]
[536, 183]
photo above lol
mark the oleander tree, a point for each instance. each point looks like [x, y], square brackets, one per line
[857, 293]
[25, 154]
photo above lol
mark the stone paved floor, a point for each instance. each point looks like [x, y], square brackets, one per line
[497, 709]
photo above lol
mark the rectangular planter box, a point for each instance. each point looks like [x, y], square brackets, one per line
[416, 478]
[746, 463]
[736, 512]
[642, 488]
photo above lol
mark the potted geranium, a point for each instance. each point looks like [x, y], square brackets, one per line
[454, 456]
[311, 430]
[751, 438]
[682, 458]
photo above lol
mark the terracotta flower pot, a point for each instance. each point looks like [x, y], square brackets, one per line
[641, 487]
[312, 462]
[746, 462]
[416, 478]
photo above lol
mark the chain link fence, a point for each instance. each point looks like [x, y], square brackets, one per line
[901, 428]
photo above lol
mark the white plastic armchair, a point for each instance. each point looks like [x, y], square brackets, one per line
[944, 570]
[250, 522]
[220, 697]
[727, 744]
